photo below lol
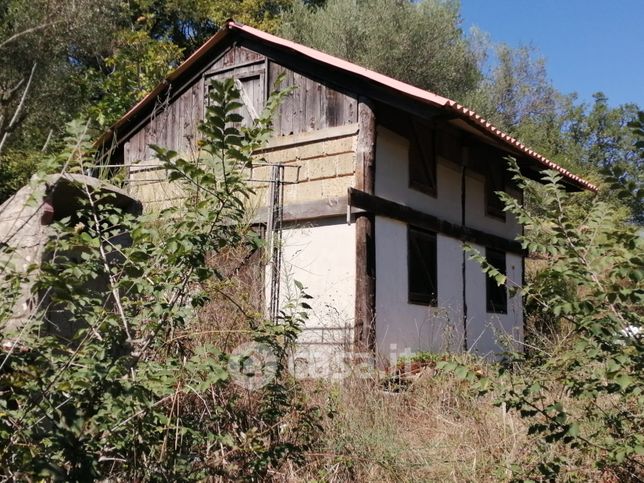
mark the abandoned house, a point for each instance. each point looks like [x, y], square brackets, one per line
[381, 185]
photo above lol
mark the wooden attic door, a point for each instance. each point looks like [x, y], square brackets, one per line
[248, 68]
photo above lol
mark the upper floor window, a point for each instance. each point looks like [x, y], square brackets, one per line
[421, 266]
[496, 295]
[422, 159]
[494, 181]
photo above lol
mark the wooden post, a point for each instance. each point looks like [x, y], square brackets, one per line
[365, 330]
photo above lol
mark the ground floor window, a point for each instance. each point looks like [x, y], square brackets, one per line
[421, 266]
[496, 295]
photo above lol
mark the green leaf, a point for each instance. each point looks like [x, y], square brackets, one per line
[573, 430]
[624, 381]
[461, 372]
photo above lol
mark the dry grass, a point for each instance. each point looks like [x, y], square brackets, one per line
[435, 429]
[236, 301]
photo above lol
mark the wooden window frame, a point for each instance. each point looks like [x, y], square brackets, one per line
[496, 296]
[241, 77]
[422, 157]
[424, 297]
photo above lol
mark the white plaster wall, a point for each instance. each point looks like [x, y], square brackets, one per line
[411, 326]
[439, 328]
[321, 256]
[489, 334]
[392, 179]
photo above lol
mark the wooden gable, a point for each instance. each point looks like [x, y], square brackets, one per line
[175, 117]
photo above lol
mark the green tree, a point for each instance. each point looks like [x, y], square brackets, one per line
[417, 42]
[43, 44]
[45, 47]
[517, 96]
[138, 63]
[95, 59]
[188, 24]
[155, 37]
[603, 141]
[606, 137]
[516, 88]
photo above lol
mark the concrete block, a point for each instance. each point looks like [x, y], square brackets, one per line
[336, 186]
[261, 173]
[317, 168]
[312, 150]
[345, 164]
[317, 190]
[283, 155]
[340, 145]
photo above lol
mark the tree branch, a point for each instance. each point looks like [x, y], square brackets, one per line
[26, 32]
[21, 104]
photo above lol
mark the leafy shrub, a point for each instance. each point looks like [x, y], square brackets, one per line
[133, 395]
[587, 392]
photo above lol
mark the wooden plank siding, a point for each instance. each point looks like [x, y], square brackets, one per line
[312, 106]
[316, 125]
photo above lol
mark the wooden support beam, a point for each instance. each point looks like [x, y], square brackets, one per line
[310, 210]
[365, 316]
[324, 134]
[390, 209]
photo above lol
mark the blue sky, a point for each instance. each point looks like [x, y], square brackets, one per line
[589, 45]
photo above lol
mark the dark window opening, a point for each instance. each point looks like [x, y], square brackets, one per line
[422, 159]
[421, 266]
[494, 182]
[496, 295]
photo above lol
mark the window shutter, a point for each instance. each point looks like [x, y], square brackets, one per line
[422, 159]
[421, 266]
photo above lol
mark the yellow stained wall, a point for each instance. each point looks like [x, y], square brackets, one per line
[319, 165]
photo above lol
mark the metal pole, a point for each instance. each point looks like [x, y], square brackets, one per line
[274, 227]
